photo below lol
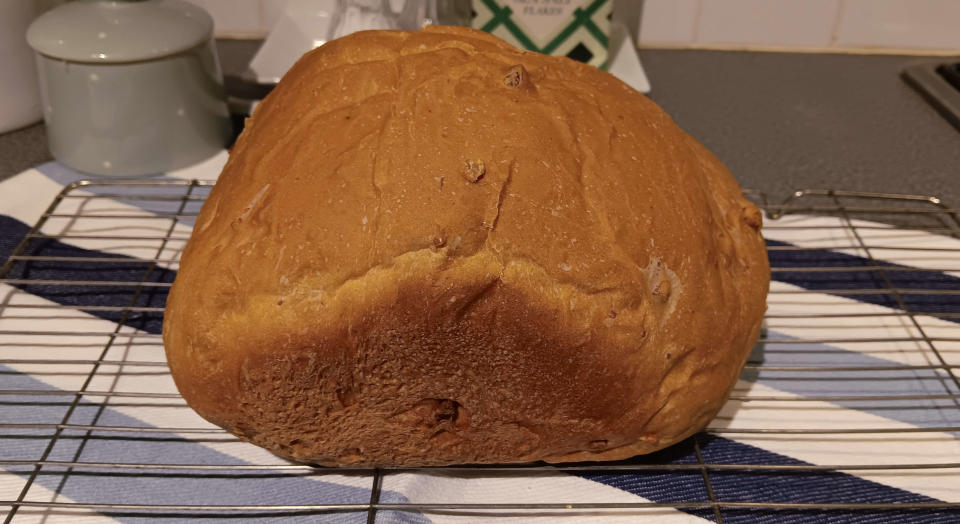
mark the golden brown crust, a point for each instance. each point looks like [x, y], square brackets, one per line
[433, 248]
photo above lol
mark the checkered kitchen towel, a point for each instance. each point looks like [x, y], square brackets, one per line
[872, 351]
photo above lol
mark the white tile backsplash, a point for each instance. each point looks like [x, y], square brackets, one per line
[669, 21]
[234, 17]
[890, 24]
[270, 11]
[900, 24]
[798, 23]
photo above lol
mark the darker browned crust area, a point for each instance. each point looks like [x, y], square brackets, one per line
[431, 248]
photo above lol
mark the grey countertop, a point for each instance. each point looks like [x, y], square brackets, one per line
[785, 121]
[780, 121]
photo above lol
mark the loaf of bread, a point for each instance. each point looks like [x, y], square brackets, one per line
[433, 248]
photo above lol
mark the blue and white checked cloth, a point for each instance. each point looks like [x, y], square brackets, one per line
[847, 325]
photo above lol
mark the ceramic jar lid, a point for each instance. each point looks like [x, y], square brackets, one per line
[112, 31]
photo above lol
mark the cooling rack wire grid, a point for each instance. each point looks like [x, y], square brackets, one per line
[849, 407]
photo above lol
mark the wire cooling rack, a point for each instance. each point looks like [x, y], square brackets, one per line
[78, 360]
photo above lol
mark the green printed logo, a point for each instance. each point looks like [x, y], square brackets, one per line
[577, 29]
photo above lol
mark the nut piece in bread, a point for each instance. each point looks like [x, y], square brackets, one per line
[433, 248]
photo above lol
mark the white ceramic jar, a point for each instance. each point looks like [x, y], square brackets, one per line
[130, 88]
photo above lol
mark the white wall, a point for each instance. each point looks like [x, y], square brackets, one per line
[837, 24]
[818, 24]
